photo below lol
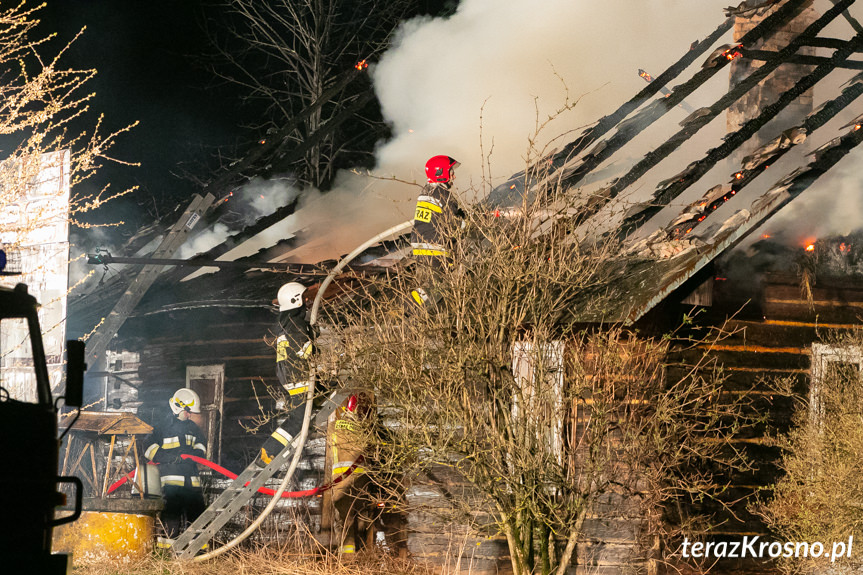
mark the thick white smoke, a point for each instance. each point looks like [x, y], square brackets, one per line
[254, 199]
[512, 62]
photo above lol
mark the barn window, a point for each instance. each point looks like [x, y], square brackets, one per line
[831, 364]
[539, 374]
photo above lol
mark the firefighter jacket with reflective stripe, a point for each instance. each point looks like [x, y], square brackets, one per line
[349, 439]
[293, 349]
[171, 439]
[435, 205]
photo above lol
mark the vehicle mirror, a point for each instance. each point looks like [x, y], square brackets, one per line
[75, 368]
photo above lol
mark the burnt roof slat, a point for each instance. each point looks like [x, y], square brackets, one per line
[504, 192]
[812, 122]
[803, 59]
[652, 158]
[663, 196]
[636, 285]
[625, 134]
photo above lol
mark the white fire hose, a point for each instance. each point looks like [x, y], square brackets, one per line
[310, 395]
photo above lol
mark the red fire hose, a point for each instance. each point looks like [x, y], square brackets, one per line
[266, 491]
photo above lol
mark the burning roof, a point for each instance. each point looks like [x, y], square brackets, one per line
[655, 265]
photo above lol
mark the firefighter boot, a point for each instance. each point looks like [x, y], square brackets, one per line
[273, 446]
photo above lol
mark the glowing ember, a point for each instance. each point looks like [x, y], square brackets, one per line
[810, 248]
[765, 236]
[512, 187]
[738, 176]
[733, 53]
[361, 65]
[856, 127]
[647, 77]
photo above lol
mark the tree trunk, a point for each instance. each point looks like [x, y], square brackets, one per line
[566, 556]
[515, 556]
[544, 549]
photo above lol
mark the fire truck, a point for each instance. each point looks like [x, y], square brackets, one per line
[28, 440]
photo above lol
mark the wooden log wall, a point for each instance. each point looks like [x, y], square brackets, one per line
[171, 342]
[448, 525]
[168, 343]
[773, 342]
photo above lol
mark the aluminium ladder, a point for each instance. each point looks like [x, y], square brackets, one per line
[243, 488]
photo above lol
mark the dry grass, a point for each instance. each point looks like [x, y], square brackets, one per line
[270, 560]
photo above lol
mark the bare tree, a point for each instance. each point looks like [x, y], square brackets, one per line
[40, 99]
[818, 498]
[543, 415]
[304, 59]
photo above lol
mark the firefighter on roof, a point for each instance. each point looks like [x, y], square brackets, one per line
[294, 348]
[435, 205]
[181, 486]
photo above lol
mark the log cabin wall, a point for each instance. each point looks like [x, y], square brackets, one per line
[450, 522]
[169, 343]
[770, 338]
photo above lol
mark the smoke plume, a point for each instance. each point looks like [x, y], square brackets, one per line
[494, 71]
[476, 86]
[257, 198]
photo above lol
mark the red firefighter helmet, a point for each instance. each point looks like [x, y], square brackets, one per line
[439, 169]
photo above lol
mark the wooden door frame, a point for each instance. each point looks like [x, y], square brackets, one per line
[214, 425]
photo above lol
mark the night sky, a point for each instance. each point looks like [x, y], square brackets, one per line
[148, 54]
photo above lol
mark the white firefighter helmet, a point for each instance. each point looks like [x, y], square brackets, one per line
[184, 398]
[291, 296]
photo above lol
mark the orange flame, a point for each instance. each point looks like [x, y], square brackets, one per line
[733, 53]
[738, 176]
[361, 65]
[810, 248]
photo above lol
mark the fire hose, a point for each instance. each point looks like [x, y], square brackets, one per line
[310, 395]
[266, 491]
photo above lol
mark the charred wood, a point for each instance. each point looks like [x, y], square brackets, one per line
[673, 143]
[788, 11]
[814, 121]
[803, 59]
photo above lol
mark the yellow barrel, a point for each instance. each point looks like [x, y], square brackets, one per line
[107, 535]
